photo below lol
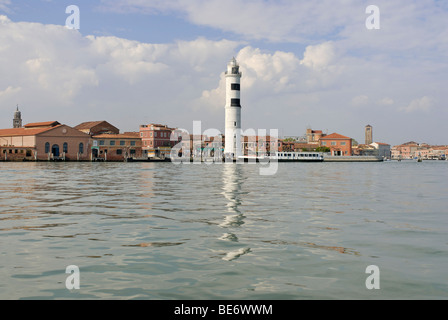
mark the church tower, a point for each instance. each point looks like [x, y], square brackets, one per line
[17, 121]
[369, 134]
[233, 110]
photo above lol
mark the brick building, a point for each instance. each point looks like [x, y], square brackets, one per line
[339, 145]
[156, 139]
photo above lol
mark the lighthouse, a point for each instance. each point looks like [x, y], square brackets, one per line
[233, 110]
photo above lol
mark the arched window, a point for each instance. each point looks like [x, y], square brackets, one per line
[81, 148]
[47, 147]
[65, 147]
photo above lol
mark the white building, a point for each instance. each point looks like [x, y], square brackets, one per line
[233, 110]
[383, 149]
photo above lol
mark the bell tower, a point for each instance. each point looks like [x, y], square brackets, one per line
[369, 134]
[17, 121]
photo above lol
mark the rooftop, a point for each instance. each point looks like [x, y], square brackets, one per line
[334, 136]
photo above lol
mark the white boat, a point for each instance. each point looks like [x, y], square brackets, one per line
[288, 157]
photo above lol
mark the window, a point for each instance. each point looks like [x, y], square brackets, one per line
[343, 143]
[112, 142]
[101, 142]
[334, 143]
[132, 151]
[141, 134]
[65, 147]
[235, 86]
[47, 147]
[119, 151]
[81, 148]
[234, 123]
[122, 143]
[324, 143]
[235, 102]
[133, 143]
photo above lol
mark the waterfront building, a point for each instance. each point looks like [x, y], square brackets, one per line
[117, 147]
[382, 149]
[156, 139]
[260, 145]
[413, 150]
[339, 145]
[364, 150]
[233, 110]
[44, 141]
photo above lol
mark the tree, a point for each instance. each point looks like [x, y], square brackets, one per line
[323, 149]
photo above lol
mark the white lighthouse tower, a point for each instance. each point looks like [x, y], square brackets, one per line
[233, 110]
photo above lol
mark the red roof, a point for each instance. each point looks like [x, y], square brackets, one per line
[335, 136]
[24, 131]
[42, 124]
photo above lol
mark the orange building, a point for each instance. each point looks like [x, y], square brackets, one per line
[117, 147]
[339, 145]
[44, 141]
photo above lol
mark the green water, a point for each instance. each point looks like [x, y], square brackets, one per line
[165, 231]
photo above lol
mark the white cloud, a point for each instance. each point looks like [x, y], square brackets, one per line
[9, 91]
[386, 101]
[319, 56]
[359, 101]
[422, 104]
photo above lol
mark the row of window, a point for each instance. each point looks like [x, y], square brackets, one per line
[334, 143]
[120, 152]
[64, 148]
[16, 151]
[163, 134]
[294, 155]
[114, 143]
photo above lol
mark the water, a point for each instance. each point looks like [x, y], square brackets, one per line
[165, 231]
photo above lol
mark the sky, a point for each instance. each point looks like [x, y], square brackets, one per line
[305, 64]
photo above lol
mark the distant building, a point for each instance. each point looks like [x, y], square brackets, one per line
[44, 141]
[156, 139]
[412, 150]
[97, 127]
[314, 136]
[117, 147]
[369, 135]
[17, 121]
[382, 149]
[259, 145]
[339, 145]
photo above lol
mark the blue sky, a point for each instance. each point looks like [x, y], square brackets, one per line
[304, 64]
